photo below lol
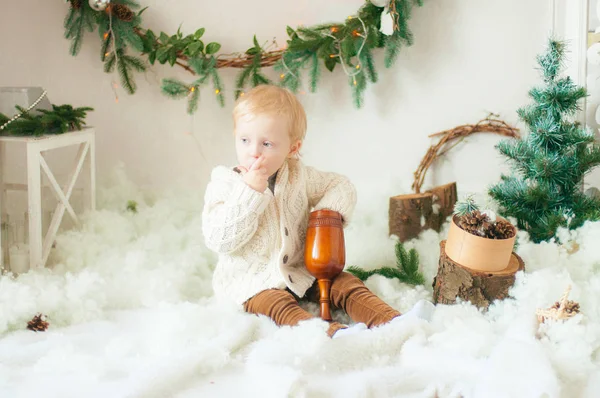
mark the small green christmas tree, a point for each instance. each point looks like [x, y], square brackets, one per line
[545, 190]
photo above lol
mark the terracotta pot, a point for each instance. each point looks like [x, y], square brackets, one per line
[475, 252]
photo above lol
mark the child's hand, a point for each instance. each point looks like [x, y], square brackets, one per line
[256, 178]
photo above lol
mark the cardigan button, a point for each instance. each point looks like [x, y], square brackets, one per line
[290, 278]
[285, 258]
[286, 231]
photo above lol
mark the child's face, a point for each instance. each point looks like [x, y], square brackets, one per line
[266, 136]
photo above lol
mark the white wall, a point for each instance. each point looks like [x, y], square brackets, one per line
[469, 57]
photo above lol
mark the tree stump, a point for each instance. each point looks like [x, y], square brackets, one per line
[480, 288]
[410, 214]
[444, 197]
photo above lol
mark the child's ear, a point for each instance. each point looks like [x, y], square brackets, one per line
[294, 149]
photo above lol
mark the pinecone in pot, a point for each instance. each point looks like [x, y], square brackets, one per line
[501, 229]
[474, 223]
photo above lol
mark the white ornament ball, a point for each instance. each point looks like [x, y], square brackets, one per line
[99, 5]
[593, 54]
[491, 215]
[592, 192]
[387, 24]
[380, 3]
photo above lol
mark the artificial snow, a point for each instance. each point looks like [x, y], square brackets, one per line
[131, 313]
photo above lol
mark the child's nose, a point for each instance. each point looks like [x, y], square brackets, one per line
[256, 150]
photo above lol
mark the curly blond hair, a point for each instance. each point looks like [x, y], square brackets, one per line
[273, 100]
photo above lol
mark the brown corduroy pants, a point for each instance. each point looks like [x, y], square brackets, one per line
[347, 292]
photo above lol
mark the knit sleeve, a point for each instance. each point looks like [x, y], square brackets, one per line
[230, 214]
[331, 191]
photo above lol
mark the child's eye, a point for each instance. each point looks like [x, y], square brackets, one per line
[267, 144]
[244, 140]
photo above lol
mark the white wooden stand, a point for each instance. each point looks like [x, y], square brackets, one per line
[39, 246]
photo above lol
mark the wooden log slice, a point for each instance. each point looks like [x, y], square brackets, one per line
[410, 214]
[445, 197]
[480, 288]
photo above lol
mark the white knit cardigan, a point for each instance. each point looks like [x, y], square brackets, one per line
[260, 236]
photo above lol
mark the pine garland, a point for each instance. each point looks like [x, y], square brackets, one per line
[59, 120]
[406, 270]
[349, 44]
[545, 190]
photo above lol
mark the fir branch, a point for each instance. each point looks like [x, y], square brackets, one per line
[367, 60]
[240, 82]
[75, 23]
[465, 206]
[175, 88]
[60, 119]
[406, 271]
[134, 63]
[104, 48]
[193, 99]
[393, 45]
[315, 72]
[124, 67]
[218, 86]
[359, 84]
[109, 63]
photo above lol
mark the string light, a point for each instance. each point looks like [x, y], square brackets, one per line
[193, 89]
[114, 46]
[106, 54]
[356, 33]
[334, 29]
[37, 101]
[105, 36]
[217, 91]
[354, 81]
[339, 54]
[281, 76]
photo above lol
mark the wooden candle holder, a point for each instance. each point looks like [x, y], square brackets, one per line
[325, 253]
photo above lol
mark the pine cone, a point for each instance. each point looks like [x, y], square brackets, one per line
[571, 307]
[38, 323]
[122, 12]
[501, 229]
[76, 4]
[473, 223]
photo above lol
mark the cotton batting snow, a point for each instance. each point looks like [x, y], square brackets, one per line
[132, 315]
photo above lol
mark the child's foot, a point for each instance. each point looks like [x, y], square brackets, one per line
[356, 328]
[423, 309]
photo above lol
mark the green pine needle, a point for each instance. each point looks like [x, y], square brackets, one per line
[59, 120]
[465, 206]
[406, 270]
